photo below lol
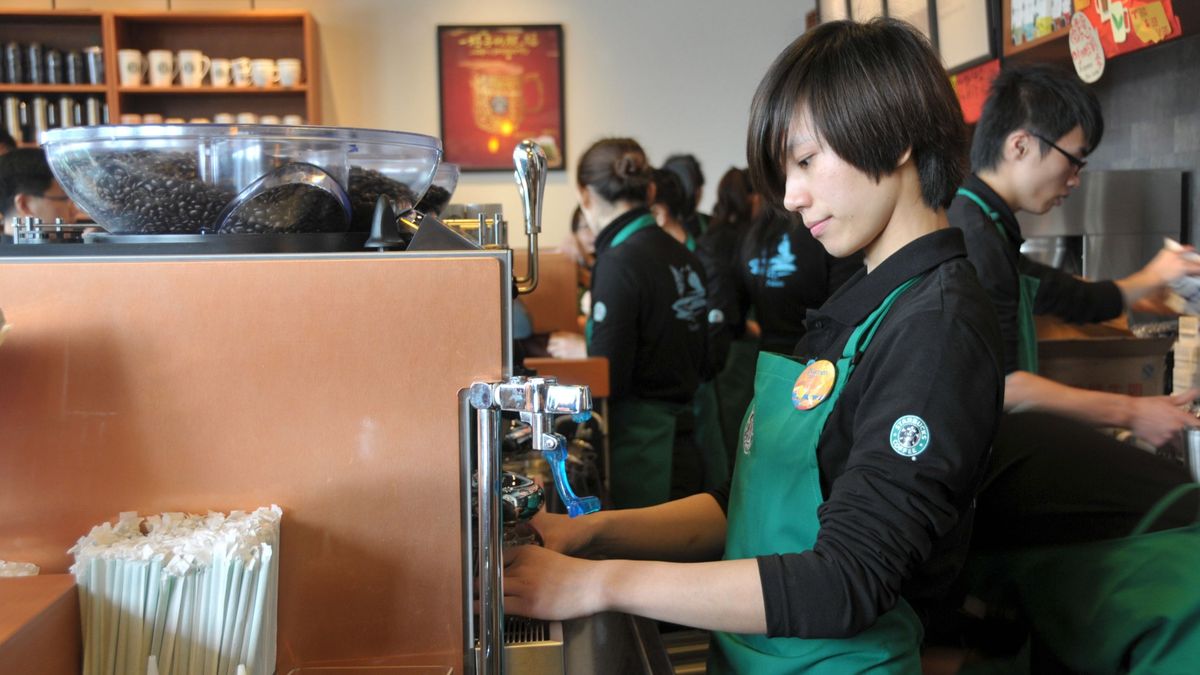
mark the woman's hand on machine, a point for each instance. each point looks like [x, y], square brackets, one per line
[563, 534]
[544, 584]
[1157, 419]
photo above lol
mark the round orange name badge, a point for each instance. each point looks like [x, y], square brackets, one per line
[813, 385]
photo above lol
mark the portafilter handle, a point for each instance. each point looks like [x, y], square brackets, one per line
[530, 174]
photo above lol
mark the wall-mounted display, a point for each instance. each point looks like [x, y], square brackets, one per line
[833, 10]
[499, 85]
[1132, 24]
[963, 32]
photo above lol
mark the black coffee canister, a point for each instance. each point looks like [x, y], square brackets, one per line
[33, 63]
[14, 57]
[74, 67]
[54, 66]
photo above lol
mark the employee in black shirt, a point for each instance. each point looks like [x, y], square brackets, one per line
[784, 272]
[851, 497]
[1056, 488]
[648, 318]
[1038, 126]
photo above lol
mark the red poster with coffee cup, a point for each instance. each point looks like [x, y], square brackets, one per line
[500, 85]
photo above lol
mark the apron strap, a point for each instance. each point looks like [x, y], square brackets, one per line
[991, 213]
[1161, 507]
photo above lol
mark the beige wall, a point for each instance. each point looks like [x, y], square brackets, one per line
[675, 74]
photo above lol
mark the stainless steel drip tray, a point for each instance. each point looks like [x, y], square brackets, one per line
[533, 646]
[600, 644]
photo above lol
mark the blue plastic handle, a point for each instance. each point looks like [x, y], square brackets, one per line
[576, 505]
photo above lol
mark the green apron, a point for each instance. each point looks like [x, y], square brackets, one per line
[1128, 605]
[641, 432]
[773, 509]
[1027, 350]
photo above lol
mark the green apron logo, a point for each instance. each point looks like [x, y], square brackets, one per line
[910, 436]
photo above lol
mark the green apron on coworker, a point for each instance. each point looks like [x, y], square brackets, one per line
[773, 509]
[1027, 351]
[1129, 605]
[641, 432]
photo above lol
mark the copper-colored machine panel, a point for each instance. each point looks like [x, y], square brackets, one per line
[326, 385]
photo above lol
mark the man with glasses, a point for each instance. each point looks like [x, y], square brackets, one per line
[1053, 480]
[27, 188]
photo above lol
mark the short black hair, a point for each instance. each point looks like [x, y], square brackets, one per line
[668, 191]
[873, 91]
[23, 171]
[691, 179]
[1042, 99]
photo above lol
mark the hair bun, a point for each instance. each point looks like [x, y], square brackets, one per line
[630, 164]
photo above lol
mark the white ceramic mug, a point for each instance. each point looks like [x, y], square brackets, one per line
[263, 72]
[241, 71]
[293, 120]
[132, 66]
[221, 72]
[289, 72]
[247, 118]
[224, 118]
[193, 66]
[162, 67]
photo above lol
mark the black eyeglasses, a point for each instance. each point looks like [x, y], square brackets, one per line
[1076, 163]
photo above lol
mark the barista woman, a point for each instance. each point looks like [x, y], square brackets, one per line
[853, 487]
[648, 318]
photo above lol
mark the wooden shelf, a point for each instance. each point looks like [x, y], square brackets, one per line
[226, 91]
[254, 34]
[53, 89]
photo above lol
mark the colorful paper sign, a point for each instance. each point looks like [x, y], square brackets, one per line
[1086, 51]
[1150, 22]
[972, 85]
[1126, 26]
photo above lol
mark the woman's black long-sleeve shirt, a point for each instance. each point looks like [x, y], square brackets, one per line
[892, 526]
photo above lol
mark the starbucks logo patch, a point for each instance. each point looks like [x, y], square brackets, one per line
[910, 436]
[599, 311]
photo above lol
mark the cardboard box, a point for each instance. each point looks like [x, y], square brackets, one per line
[1122, 365]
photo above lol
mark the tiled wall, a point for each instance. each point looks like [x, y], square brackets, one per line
[1151, 102]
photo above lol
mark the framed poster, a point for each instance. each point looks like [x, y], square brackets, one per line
[963, 33]
[498, 85]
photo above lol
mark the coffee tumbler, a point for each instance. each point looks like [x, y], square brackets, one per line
[33, 64]
[68, 112]
[14, 117]
[74, 68]
[54, 66]
[93, 114]
[14, 71]
[41, 117]
[94, 59]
